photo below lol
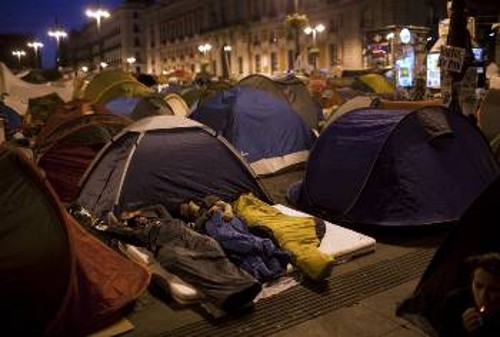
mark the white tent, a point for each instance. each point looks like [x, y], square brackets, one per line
[19, 92]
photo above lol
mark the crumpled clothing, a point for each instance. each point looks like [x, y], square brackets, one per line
[258, 256]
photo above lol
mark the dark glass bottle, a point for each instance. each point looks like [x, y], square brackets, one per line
[83, 216]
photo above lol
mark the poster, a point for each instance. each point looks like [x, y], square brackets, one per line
[433, 71]
[452, 58]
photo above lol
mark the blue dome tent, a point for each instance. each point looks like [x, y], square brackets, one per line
[139, 107]
[13, 120]
[292, 90]
[265, 129]
[164, 160]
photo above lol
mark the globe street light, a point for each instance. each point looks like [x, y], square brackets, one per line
[36, 45]
[131, 61]
[314, 51]
[314, 30]
[58, 34]
[98, 14]
[227, 59]
[204, 49]
[19, 54]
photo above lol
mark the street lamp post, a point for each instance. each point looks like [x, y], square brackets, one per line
[36, 45]
[204, 49]
[19, 54]
[391, 38]
[131, 61]
[58, 34]
[98, 14]
[314, 51]
[227, 58]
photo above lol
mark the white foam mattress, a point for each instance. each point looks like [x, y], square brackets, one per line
[340, 242]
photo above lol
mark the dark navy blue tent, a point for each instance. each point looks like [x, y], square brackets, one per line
[139, 107]
[13, 121]
[292, 90]
[164, 160]
[122, 105]
[396, 168]
[264, 128]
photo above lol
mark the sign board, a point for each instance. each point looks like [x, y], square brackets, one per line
[433, 71]
[451, 58]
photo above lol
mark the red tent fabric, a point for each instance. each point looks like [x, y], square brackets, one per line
[64, 165]
[57, 278]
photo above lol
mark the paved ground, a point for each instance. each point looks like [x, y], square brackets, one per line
[369, 314]
[372, 317]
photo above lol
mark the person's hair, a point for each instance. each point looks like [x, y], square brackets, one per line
[186, 202]
[489, 262]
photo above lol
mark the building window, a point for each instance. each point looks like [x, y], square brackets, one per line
[290, 7]
[135, 15]
[137, 42]
[274, 62]
[290, 58]
[257, 64]
[333, 52]
[366, 19]
[240, 65]
[214, 67]
[272, 9]
[255, 11]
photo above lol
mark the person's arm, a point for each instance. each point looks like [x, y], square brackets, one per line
[213, 202]
[156, 210]
[454, 306]
[227, 210]
[472, 320]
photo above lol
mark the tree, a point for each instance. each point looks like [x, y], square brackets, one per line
[294, 24]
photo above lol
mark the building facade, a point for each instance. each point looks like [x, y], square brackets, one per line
[245, 36]
[114, 41]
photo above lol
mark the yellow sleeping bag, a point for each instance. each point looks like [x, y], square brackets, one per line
[296, 235]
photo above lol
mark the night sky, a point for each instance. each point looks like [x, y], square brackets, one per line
[36, 17]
